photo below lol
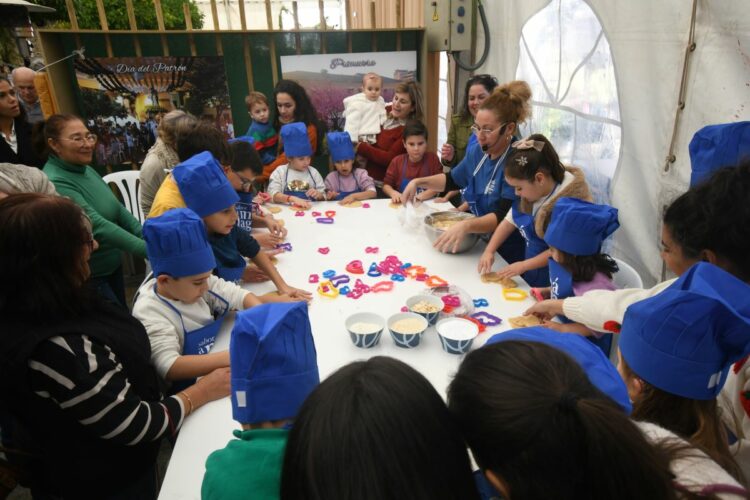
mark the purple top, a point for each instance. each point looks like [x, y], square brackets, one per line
[600, 282]
[358, 177]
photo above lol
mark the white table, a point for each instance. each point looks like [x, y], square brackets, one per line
[210, 427]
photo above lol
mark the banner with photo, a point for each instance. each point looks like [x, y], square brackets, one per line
[124, 99]
[329, 78]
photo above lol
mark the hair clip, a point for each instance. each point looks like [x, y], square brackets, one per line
[522, 160]
[528, 143]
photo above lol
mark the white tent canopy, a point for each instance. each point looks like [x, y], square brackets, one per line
[648, 42]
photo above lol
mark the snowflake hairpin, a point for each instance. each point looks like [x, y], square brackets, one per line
[522, 160]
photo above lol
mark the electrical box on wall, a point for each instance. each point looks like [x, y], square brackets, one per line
[448, 24]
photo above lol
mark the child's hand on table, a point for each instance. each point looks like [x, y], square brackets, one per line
[512, 270]
[276, 228]
[486, 262]
[347, 199]
[314, 194]
[545, 309]
[296, 293]
[396, 197]
[299, 202]
[267, 240]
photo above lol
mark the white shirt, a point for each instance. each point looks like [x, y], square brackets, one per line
[363, 116]
[282, 176]
[12, 139]
[163, 325]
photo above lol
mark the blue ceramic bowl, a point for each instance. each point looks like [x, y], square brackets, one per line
[365, 339]
[456, 334]
[409, 339]
[431, 317]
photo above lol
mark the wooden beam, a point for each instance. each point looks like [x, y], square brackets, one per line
[269, 15]
[348, 13]
[131, 15]
[431, 90]
[215, 14]
[72, 14]
[102, 15]
[243, 23]
[274, 63]
[189, 28]
[322, 12]
[297, 38]
[160, 23]
[248, 63]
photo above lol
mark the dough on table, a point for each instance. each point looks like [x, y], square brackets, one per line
[395, 205]
[524, 321]
[273, 209]
[354, 204]
[494, 278]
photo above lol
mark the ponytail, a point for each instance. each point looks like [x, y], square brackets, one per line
[510, 102]
[531, 416]
[524, 164]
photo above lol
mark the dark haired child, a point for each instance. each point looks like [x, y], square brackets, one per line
[274, 368]
[296, 182]
[538, 411]
[373, 430]
[208, 193]
[676, 350]
[534, 170]
[575, 236]
[346, 183]
[416, 162]
[183, 305]
[261, 129]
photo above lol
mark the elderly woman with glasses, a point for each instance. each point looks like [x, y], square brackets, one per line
[70, 147]
[481, 172]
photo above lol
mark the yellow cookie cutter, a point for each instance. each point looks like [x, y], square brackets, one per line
[326, 289]
[514, 294]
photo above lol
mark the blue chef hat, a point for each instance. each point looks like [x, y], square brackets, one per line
[274, 364]
[203, 185]
[600, 371]
[176, 244]
[242, 138]
[717, 146]
[295, 139]
[340, 146]
[684, 340]
[579, 227]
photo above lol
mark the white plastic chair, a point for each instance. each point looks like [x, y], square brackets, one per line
[129, 186]
[626, 277]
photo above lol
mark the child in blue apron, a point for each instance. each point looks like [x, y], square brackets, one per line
[534, 170]
[676, 351]
[183, 305]
[274, 368]
[576, 266]
[207, 192]
[296, 183]
[346, 184]
[416, 162]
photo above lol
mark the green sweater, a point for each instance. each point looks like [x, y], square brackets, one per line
[115, 229]
[459, 134]
[248, 467]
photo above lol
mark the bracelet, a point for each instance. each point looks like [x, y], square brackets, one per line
[190, 401]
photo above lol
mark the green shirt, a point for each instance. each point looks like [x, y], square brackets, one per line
[248, 467]
[115, 229]
[459, 135]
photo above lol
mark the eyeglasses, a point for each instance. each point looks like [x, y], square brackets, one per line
[486, 131]
[82, 140]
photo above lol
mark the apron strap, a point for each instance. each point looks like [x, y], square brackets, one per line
[184, 330]
[222, 299]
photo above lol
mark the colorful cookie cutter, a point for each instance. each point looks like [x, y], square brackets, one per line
[326, 289]
[404, 266]
[404, 309]
[316, 214]
[340, 280]
[324, 250]
[382, 286]
[413, 271]
[374, 272]
[330, 213]
[481, 303]
[515, 294]
[344, 290]
[299, 213]
[372, 250]
[365, 205]
[421, 277]
[285, 246]
[397, 277]
[486, 318]
[330, 273]
[435, 281]
[537, 294]
[358, 285]
[324, 220]
[479, 324]
[355, 267]
[354, 294]
[313, 278]
[451, 300]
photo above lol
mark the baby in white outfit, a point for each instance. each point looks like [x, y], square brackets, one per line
[365, 112]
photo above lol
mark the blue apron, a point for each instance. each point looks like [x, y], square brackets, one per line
[298, 194]
[482, 201]
[232, 274]
[344, 194]
[404, 179]
[244, 209]
[197, 341]
[534, 246]
[561, 287]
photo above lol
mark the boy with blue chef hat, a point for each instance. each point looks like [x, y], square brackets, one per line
[274, 368]
[208, 193]
[183, 304]
[296, 182]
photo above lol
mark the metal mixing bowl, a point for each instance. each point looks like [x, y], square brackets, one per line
[433, 233]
